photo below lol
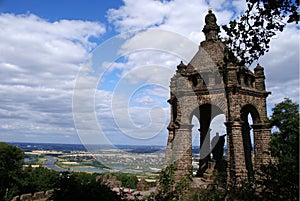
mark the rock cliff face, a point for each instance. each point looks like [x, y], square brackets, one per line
[38, 196]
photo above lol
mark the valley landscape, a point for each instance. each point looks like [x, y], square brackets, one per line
[146, 161]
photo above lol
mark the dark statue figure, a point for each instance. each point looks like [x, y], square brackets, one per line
[218, 151]
[218, 147]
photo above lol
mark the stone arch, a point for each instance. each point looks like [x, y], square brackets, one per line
[208, 108]
[247, 110]
[250, 109]
[205, 113]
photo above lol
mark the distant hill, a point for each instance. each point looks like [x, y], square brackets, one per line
[79, 147]
[49, 146]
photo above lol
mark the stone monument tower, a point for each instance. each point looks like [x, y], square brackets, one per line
[211, 84]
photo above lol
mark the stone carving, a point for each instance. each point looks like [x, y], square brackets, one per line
[211, 29]
[210, 19]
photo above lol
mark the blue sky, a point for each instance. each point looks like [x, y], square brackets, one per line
[102, 60]
[65, 9]
[54, 10]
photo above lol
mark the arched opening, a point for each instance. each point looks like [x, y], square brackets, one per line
[218, 144]
[206, 118]
[249, 115]
[195, 144]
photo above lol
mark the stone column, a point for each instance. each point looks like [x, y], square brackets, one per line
[169, 152]
[236, 171]
[247, 148]
[262, 137]
[204, 149]
[182, 150]
[232, 75]
[259, 78]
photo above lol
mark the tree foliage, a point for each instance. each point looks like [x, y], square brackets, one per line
[11, 160]
[249, 37]
[171, 189]
[16, 180]
[285, 142]
[37, 179]
[128, 181]
[281, 178]
[82, 186]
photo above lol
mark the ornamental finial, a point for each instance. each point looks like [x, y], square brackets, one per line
[211, 29]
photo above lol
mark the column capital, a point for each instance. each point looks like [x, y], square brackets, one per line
[234, 123]
[204, 130]
[186, 126]
[259, 126]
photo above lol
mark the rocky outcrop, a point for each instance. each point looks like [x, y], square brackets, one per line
[38, 196]
[109, 180]
[142, 185]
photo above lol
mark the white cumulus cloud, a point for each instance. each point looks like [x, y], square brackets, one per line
[39, 62]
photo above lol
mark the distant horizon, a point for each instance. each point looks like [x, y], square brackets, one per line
[225, 146]
[59, 143]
